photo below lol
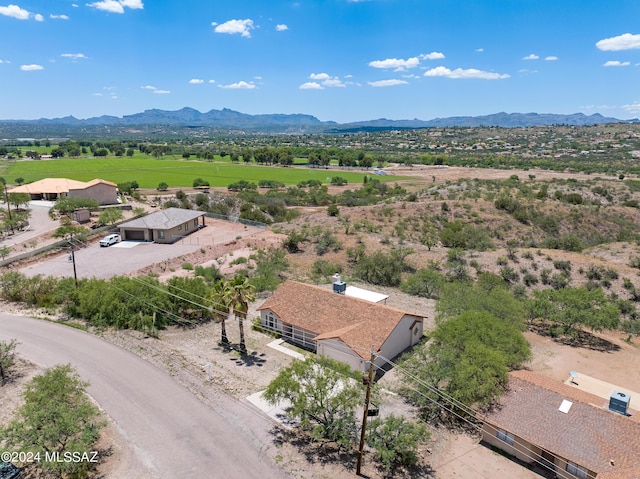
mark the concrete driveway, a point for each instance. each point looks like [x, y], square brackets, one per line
[93, 261]
[172, 433]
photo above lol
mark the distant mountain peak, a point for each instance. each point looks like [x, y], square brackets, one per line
[298, 122]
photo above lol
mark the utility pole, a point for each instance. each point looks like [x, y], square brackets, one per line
[368, 380]
[73, 258]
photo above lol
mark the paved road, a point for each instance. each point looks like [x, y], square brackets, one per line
[173, 434]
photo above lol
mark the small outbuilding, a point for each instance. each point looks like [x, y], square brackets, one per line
[164, 226]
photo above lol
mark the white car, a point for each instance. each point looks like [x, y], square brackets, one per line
[109, 240]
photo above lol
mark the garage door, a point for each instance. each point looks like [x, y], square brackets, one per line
[132, 235]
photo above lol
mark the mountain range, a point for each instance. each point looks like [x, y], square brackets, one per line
[290, 123]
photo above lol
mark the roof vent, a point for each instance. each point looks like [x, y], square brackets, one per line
[619, 402]
[335, 278]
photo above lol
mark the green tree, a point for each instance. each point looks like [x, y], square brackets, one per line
[321, 395]
[4, 251]
[218, 297]
[7, 358]
[68, 229]
[17, 199]
[57, 417]
[240, 294]
[110, 216]
[571, 309]
[68, 205]
[162, 186]
[396, 441]
[424, 282]
[490, 293]
[468, 358]
[19, 180]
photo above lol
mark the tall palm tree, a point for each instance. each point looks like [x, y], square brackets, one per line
[219, 299]
[240, 294]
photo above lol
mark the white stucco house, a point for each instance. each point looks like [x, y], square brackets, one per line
[339, 326]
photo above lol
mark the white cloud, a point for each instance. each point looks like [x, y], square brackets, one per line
[97, 94]
[626, 41]
[281, 27]
[212, 81]
[311, 85]
[551, 58]
[383, 83]
[117, 6]
[633, 108]
[30, 68]
[327, 80]
[243, 27]
[162, 92]
[134, 4]
[431, 56]
[616, 63]
[196, 81]
[38, 18]
[480, 50]
[111, 6]
[14, 11]
[149, 87]
[241, 85]
[74, 56]
[532, 56]
[464, 73]
[396, 63]
[334, 82]
[59, 17]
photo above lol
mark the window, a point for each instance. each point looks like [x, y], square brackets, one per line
[179, 227]
[576, 470]
[161, 234]
[195, 222]
[271, 321]
[186, 226]
[505, 436]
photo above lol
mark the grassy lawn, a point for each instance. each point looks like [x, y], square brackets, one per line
[148, 172]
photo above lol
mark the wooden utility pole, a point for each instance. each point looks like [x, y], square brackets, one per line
[368, 380]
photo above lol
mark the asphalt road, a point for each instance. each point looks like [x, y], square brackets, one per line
[172, 434]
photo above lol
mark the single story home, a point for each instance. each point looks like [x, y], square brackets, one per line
[164, 226]
[339, 326]
[51, 189]
[569, 432]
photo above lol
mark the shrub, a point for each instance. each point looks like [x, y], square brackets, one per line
[333, 210]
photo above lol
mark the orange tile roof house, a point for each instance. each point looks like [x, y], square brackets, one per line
[104, 192]
[339, 326]
[567, 431]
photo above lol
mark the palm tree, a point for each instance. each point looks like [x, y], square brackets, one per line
[219, 299]
[240, 294]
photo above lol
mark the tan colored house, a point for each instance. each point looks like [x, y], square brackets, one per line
[339, 326]
[51, 189]
[164, 226]
[564, 430]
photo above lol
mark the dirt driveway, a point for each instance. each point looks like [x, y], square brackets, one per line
[128, 257]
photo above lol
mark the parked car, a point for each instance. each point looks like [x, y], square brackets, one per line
[9, 471]
[109, 240]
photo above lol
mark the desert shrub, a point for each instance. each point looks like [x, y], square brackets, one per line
[425, 283]
[322, 267]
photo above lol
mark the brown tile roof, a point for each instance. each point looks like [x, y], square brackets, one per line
[587, 435]
[358, 323]
[98, 181]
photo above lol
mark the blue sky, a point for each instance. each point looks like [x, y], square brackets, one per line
[341, 60]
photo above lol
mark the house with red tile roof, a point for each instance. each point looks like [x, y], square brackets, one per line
[339, 326]
[569, 432]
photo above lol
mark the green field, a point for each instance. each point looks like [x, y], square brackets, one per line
[149, 172]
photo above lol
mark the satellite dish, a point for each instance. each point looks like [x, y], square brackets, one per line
[574, 375]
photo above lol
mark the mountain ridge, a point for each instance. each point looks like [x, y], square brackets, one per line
[230, 119]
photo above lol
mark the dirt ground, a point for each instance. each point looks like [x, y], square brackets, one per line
[184, 353]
